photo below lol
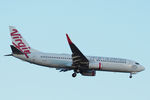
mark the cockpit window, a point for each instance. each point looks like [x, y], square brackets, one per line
[137, 63]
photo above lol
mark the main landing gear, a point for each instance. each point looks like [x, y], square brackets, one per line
[130, 75]
[75, 72]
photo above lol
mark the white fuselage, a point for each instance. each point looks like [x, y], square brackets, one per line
[95, 63]
[78, 62]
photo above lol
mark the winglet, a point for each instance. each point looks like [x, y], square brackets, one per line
[69, 41]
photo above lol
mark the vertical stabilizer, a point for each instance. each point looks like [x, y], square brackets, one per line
[19, 42]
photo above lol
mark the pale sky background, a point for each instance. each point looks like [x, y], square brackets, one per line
[115, 28]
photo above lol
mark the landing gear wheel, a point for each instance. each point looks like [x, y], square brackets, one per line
[74, 74]
[130, 75]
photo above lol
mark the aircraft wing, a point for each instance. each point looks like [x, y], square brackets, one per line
[79, 60]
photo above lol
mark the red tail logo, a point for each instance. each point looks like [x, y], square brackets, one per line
[19, 44]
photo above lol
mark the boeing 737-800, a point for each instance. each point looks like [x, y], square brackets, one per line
[77, 61]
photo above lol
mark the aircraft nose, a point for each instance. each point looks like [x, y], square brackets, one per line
[142, 68]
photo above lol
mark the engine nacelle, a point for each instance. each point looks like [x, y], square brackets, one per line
[97, 65]
[89, 73]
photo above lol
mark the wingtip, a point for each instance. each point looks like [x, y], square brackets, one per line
[69, 41]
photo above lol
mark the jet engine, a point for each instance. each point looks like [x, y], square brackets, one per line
[89, 73]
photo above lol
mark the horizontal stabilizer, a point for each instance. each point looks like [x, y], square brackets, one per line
[63, 69]
[9, 55]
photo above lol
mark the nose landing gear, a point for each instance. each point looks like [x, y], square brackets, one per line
[130, 75]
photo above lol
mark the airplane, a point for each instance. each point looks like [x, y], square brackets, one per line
[77, 61]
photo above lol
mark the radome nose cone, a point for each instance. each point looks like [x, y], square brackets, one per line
[142, 68]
